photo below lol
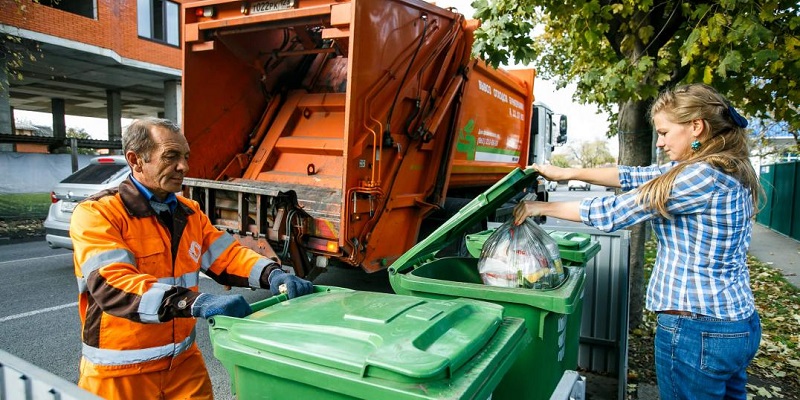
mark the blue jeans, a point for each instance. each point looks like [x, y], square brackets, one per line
[701, 357]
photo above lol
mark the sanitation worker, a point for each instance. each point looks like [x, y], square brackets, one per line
[139, 250]
[702, 207]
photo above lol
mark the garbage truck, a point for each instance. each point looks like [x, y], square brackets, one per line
[329, 131]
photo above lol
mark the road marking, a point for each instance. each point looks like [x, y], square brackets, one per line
[36, 258]
[32, 313]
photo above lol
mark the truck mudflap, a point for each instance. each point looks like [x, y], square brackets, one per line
[297, 223]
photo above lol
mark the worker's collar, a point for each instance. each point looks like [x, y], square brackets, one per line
[171, 201]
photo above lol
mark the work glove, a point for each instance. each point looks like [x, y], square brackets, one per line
[208, 305]
[294, 286]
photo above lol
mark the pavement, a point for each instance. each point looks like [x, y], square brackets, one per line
[777, 250]
[768, 246]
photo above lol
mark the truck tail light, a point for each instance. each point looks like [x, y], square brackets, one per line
[53, 198]
[329, 246]
[207, 12]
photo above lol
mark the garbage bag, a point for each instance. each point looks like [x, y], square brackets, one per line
[521, 256]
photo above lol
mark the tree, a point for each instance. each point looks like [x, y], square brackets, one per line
[77, 133]
[592, 154]
[771, 140]
[622, 53]
[14, 51]
[560, 160]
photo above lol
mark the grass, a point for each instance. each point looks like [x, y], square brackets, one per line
[24, 206]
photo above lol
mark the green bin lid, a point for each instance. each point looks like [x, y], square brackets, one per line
[368, 334]
[574, 246]
[475, 211]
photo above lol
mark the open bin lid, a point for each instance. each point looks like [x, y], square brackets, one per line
[475, 211]
[574, 246]
[367, 334]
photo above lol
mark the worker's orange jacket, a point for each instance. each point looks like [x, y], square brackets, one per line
[137, 281]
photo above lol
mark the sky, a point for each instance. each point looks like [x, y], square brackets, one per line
[97, 128]
[583, 121]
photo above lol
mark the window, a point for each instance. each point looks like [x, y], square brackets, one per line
[85, 8]
[158, 20]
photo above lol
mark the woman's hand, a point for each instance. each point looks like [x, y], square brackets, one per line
[551, 172]
[525, 209]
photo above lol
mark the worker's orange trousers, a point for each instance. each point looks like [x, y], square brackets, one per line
[189, 380]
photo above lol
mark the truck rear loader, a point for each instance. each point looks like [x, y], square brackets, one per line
[328, 131]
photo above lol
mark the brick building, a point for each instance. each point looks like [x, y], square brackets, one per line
[109, 59]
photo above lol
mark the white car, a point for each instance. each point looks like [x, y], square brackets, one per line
[578, 185]
[101, 173]
[551, 186]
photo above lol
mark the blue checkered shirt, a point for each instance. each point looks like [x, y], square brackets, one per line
[701, 261]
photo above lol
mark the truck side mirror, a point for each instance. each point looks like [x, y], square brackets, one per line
[562, 130]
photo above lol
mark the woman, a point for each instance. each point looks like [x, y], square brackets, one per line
[701, 206]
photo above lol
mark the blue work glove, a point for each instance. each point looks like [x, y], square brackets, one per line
[295, 286]
[208, 305]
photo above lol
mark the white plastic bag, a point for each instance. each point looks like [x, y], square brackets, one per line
[521, 256]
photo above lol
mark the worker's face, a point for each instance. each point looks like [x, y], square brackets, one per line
[169, 163]
[676, 139]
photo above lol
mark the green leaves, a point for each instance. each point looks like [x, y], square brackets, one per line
[629, 50]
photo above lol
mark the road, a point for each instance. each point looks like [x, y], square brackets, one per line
[39, 318]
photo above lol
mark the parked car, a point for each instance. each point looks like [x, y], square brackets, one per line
[101, 173]
[551, 185]
[578, 185]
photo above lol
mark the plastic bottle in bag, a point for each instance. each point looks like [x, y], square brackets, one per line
[521, 256]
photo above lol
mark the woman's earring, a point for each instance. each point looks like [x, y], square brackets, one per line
[696, 145]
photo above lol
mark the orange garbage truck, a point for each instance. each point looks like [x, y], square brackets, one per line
[329, 131]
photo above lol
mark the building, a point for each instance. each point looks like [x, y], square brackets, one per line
[109, 59]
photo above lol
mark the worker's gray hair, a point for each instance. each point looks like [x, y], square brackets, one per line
[137, 137]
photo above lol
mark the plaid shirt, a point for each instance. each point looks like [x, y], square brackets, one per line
[701, 263]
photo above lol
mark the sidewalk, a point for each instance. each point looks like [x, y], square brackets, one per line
[777, 250]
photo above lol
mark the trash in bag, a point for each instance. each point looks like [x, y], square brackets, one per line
[521, 256]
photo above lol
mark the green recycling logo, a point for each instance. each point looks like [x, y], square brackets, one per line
[466, 141]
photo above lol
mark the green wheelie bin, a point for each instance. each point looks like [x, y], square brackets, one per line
[552, 316]
[339, 343]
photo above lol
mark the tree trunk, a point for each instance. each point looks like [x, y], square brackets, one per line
[635, 149]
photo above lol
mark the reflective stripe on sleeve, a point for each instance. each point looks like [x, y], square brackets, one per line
[187, 280]
[255, 273]
[215, 250]
[124, 357]
[151, 302]
[83, 287]
[100, 260]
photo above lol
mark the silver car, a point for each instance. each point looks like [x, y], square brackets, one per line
[102, 173]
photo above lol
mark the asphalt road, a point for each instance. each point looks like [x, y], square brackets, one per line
[39, 320]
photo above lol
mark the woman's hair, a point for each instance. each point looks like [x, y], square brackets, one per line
[137, 136]
[723, 142]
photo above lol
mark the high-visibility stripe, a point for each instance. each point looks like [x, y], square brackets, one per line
[255, 273]
[102, 259]
[123, 357]
[83, 287]
[215, 250]
[151, 302]
[187, 280]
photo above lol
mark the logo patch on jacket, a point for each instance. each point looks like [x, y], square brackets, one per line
[194, 251]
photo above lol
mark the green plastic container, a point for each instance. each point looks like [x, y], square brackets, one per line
[343, 344]
[553, 316]
[576, 248]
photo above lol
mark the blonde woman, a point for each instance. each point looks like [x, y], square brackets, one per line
[701, 206]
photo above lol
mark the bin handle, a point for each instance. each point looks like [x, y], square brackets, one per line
[542, 317]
